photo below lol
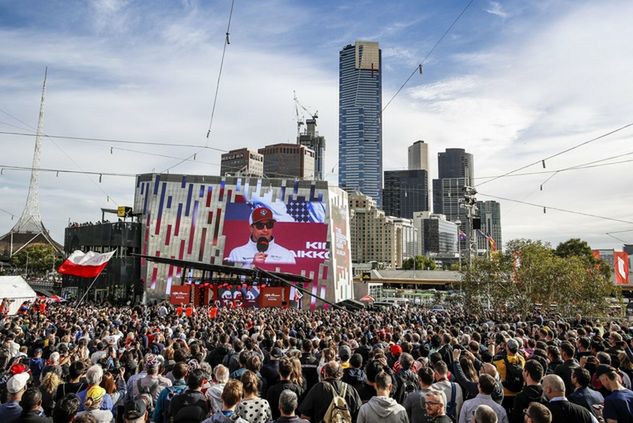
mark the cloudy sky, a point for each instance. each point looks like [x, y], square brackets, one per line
[513, 82]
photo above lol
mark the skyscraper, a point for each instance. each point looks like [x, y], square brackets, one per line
[360, 119]
[456, 170]
[490, 214]
[419, 156]
[406, 192]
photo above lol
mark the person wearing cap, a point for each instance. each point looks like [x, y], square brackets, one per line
[152, 383]
[11, 410]
[618, 405]
[92, 404]
[511, 356]
[135, 411]
[261, 246]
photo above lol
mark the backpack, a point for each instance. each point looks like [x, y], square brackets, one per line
[408, 384]
[514, 376]
[193, 406]
[451, 406]
[150, 390]
[338, 411]
[172, 391]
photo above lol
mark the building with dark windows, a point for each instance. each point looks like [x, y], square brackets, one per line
[360, 119]
[456, 170]
[490, 215]
[315, 142]
[120, 281]
[242, 162]
[288, 160]
[405, 192]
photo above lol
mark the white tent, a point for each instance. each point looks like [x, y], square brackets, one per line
[15, 288]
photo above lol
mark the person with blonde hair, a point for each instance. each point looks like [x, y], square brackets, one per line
[92, 404]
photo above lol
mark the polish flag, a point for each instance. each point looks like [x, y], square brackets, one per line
[85, 265]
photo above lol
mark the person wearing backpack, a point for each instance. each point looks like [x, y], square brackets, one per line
[382, 408]
[510, 366]
[406, 377]
[163, 403]
[452, 390]
[331, 400]
[191, 405]
[231, 396]
[152, 383]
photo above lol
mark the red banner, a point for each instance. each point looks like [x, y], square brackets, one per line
[274, 296]
[180, 294]
[621, 267]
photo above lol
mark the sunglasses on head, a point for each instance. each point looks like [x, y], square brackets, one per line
[267, 225]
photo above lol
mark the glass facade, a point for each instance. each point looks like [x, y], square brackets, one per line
[360, 119]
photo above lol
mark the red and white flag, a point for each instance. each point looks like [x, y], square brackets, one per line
[85, 265]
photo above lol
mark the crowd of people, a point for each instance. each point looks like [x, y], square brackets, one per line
[151, 363]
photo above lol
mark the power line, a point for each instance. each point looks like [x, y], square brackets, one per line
[559, 153]
[161, 155]
[79, 172]
[420, 66]
[217, 85]
[9, 213]
[115, 141]
[541, 206]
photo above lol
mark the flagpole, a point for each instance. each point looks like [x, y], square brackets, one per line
[88, 290]
[95, 279]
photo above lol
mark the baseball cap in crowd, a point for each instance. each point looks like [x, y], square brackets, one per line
[151, 361]
[17, 383]
[276, 353]
[395, 349]
[604, 369]
[135, 409]
[344, 352]
[261, 214]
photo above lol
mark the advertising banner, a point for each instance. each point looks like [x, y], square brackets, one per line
[180, 294]
[274, 296]
[621, 267]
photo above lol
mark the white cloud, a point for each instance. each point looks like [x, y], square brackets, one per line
[496, 9]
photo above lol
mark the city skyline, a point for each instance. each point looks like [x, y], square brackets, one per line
[509, 83]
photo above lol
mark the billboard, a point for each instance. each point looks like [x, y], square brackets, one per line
[278, 236]
[205, 219]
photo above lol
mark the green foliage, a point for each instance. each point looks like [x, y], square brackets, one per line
[581, 249]
[530, 273]
[35, 259]
[421, 263]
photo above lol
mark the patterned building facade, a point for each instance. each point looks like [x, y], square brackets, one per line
[201, 218]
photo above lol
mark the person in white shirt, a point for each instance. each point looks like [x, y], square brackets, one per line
[261, 246]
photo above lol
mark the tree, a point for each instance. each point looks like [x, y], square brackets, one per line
[35, 259]
[531, 273]
[578, 248]
[421, 263]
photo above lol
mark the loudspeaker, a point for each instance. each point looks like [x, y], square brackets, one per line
[351, 305]
[476, 223]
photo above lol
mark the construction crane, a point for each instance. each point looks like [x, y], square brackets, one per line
[300, 117]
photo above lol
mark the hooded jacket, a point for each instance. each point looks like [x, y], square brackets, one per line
[382, 410]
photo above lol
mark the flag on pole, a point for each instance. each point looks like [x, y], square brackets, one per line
[85, 265]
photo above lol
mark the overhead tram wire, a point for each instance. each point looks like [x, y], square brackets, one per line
[77, 172]
[115, 141]
[215, 97]
[567, 150]
[30, 127]
[544, 207]
[217, 85]
[419, 68]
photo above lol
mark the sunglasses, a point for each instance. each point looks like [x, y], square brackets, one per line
[262, 225]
